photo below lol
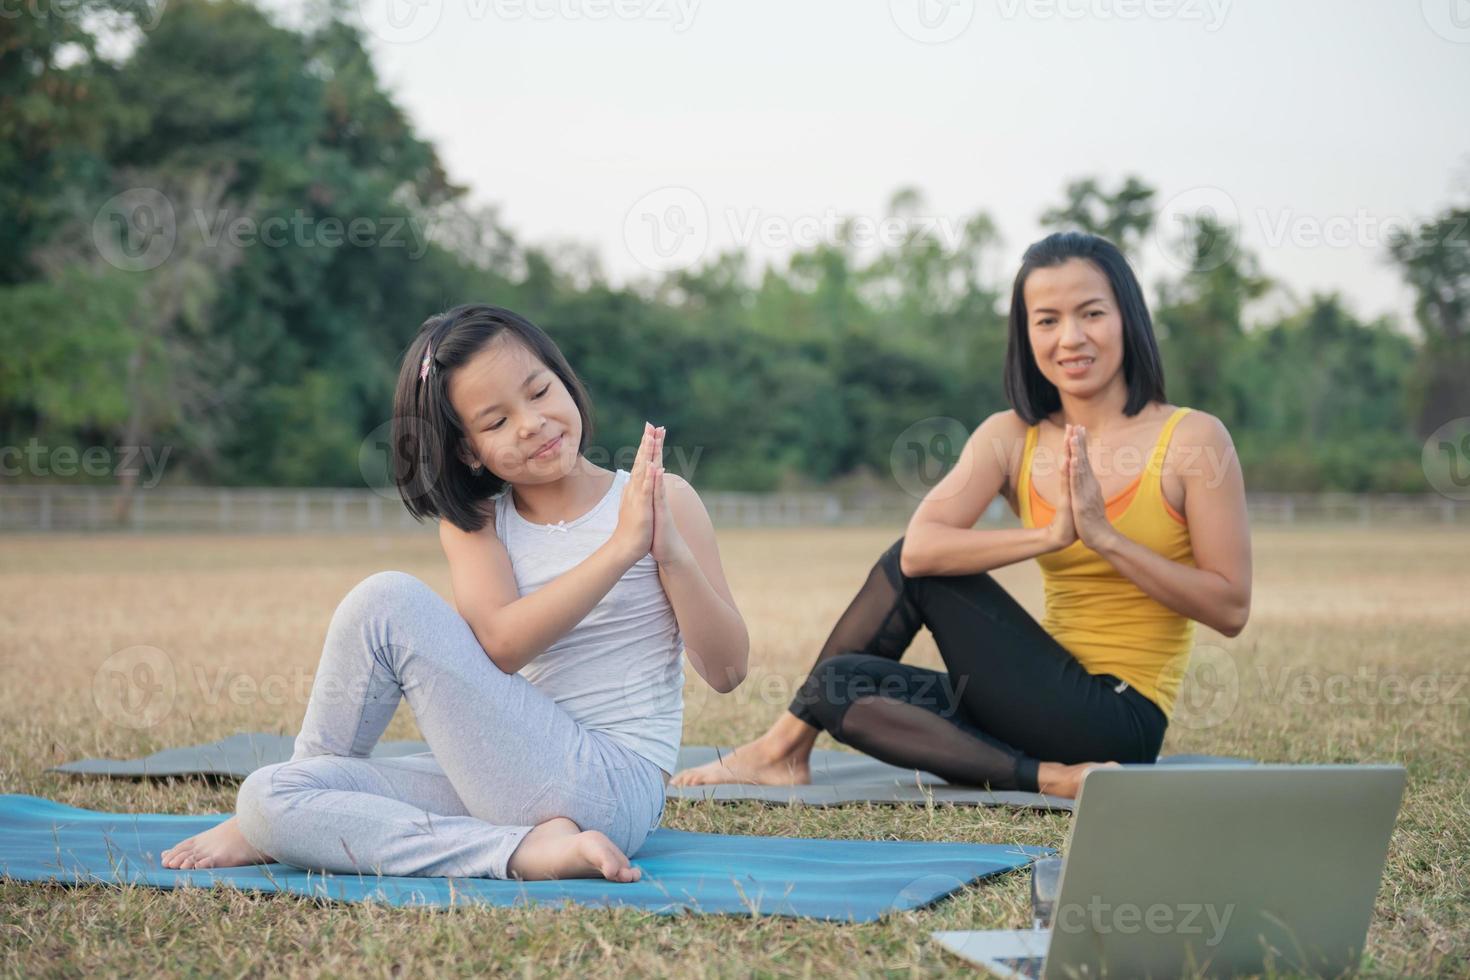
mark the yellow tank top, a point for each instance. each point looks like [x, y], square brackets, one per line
[1104, 620]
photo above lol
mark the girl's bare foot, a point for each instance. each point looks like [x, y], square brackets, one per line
[763, 762]
[218, 847]
[1056, 779]
[559, 849]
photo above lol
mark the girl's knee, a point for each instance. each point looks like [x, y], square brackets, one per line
[383, 592]
[268, 792]
[388, 586]
[254, 807]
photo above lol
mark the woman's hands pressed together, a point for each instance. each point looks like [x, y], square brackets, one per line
[1063, 528]
[1082, 494]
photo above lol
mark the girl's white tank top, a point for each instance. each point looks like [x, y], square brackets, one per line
[621, 669]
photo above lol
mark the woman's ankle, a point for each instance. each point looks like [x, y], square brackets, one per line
[790, 736]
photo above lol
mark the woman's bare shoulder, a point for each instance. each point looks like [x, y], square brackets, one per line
[1002, 436]
[1199, 427]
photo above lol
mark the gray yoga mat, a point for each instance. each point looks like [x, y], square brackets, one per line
[837, 777]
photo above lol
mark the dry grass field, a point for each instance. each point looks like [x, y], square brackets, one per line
[1355, 652]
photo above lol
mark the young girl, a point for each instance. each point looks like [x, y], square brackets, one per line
[1135, 510]
[551, 692]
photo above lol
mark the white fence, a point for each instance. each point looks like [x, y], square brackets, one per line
[43, 508]
[266, 510]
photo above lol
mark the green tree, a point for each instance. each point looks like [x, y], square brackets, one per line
[1435, 262]
[1199, 317]
[1123, 217]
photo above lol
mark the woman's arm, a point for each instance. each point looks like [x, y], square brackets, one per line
[942, 539]
[715, 638]
[1217, 591]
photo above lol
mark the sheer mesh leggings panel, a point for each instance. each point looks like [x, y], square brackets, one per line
[881, 621]
[912, 717]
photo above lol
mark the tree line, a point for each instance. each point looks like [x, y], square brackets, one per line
[306, 230]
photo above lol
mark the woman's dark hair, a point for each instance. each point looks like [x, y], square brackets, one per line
[1030, 394]
[432, 478]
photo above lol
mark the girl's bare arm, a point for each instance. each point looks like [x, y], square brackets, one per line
[513, 630]
[715, 637]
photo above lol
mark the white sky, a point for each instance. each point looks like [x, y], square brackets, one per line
[1306, 117]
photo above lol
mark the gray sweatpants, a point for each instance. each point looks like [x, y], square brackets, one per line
[503, 756]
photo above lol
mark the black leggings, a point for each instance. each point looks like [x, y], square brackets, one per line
[1011, 696]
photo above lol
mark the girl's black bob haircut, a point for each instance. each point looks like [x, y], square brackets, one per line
[428, 437]
[1030, 394]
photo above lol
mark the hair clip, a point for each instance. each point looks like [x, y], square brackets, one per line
[427, 362]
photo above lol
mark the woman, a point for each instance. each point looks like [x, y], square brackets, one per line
[1133, 507]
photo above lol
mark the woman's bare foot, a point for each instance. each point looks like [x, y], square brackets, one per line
[764, 762]
[218, 847]
[559, 849]
[1056, 779]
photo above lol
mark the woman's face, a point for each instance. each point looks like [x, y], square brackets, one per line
[519, 419]
[1075, 328]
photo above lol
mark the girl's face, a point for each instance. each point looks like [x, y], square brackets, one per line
[519, 419]
[1075, 328]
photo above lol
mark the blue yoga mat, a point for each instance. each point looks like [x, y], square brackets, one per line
[847, 881]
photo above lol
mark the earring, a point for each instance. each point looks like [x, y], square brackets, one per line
[477, 467]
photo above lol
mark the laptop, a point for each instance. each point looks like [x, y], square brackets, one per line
[1215, 870]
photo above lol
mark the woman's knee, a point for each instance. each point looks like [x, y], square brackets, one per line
[890, 564]
[835, 683]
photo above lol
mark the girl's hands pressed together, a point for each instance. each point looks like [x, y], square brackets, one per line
[1089, 510]
[668, 544]
[634, 532]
